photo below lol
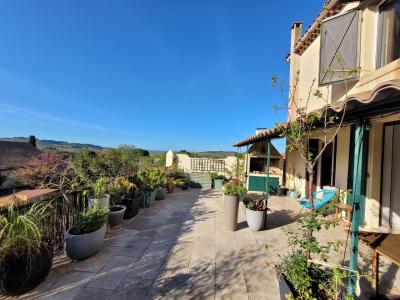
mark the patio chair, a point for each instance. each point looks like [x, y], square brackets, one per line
[321, 198]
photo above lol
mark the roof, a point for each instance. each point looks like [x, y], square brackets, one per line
[330, 8]
[14, 155]
[353, 104]
[270, 133]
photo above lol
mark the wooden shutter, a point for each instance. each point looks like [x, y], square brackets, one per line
[339, 52]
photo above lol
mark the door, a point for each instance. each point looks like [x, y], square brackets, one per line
[390, 193]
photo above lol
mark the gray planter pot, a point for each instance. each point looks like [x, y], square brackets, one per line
[78, 247]
[231, 206]
[161, 194]
[103, 201]
[294, 195]
[116, 215]
[218, 183]
[153, 194]
[255, 219]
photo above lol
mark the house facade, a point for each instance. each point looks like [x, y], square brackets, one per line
[351, 55]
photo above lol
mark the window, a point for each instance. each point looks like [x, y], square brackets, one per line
[339, 49]
[388, 43]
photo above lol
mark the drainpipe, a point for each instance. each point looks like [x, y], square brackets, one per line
[237, 162]
[268, 163]
[360, 138]
[246, 166]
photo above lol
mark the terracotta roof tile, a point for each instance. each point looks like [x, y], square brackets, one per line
[14, 155]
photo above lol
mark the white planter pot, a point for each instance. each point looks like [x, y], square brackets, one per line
[78, 247]
[255, 219]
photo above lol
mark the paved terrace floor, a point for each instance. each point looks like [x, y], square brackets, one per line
[179, 249]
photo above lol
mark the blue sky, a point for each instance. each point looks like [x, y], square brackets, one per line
[159, 75]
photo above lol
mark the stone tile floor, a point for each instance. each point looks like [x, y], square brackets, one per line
[179, 249]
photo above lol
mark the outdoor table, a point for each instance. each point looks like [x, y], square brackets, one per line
[385, 244]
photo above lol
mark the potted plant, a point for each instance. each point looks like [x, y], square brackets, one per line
[117, 210]
[256, 212]
[161, 182]
[304, 272]
[148, 179]
[181, 179]
[217, 180]
[170, 184]
[130, 197]
[294, 193]
[281, 191]
[86, 236]
[26, 248]
[100, 192]
[232, 192]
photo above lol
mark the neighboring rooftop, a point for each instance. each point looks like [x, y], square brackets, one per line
[14, 155]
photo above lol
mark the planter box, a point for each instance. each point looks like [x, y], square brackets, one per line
[255, 219]
[78, 247]
[284, 288]
[231, 207]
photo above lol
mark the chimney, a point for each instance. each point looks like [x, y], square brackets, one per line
[295, 34]
[32, 140]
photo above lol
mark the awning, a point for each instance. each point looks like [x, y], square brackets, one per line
[272, 133]
[357, 105]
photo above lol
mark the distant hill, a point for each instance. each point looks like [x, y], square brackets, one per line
[60, 145]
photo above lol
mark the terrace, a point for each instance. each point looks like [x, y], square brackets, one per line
[179, 248]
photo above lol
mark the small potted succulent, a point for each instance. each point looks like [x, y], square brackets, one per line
[256, 213]
[117, 210]
[86, 236]
[232, 191]
[100, 192]
[26, 248]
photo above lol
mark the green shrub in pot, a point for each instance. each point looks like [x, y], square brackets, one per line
[100, 191]
[117, 209]
[86, 236]
[26, 252]
[306, 272]
[232, 191]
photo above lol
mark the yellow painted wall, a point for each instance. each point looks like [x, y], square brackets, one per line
[342, 158]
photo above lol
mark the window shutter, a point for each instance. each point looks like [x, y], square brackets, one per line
[339, 53]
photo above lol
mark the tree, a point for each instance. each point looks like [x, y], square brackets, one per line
[47, 170]
[302, 121]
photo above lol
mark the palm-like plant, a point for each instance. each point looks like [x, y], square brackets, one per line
[24, 234]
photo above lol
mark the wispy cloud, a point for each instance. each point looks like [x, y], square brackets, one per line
[16, 110]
